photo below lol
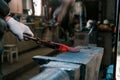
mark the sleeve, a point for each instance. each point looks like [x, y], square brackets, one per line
[2, 27]
[4, 8]
[7, 1]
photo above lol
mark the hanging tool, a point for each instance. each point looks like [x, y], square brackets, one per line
[53, 45]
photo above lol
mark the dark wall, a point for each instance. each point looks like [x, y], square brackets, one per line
[92, 8]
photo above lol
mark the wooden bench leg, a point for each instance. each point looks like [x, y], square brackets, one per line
[11, 57]
[16, 56]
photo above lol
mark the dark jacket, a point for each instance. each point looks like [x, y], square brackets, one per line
[4, 11]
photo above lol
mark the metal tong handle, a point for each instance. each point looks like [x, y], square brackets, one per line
[37, 40]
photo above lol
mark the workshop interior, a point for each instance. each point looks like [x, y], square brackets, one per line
[73, 40]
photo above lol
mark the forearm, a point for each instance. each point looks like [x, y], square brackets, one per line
[63, 9]
[61, 14]
[7, 18]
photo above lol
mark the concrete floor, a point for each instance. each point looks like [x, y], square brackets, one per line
[29, 74]
[25, 63]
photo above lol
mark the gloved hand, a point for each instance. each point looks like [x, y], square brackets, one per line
[18, 28]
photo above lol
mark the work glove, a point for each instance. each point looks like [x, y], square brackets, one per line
[19, 29]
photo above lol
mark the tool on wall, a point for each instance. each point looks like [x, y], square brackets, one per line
[53, 45]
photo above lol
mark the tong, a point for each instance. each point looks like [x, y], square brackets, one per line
[53, 45]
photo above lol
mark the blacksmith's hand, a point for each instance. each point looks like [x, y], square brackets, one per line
[18, 28]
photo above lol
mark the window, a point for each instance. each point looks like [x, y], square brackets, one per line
[37, 7]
